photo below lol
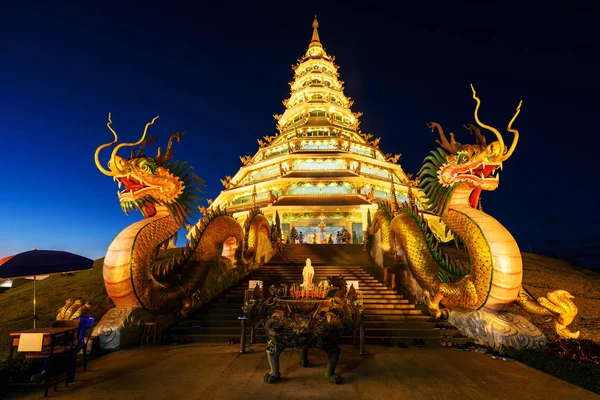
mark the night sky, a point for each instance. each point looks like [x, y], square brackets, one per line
[220, 71]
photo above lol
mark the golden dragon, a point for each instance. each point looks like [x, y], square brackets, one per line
[452, 179]
[166, 193]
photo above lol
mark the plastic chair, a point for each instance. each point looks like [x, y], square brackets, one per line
[82, 342]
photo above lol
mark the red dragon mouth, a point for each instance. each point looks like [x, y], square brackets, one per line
[482, 171]
[483, 176]
[132, 186]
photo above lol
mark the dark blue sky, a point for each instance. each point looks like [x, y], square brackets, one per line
[220, 71]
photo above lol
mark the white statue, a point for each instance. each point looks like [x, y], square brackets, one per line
[307, 274]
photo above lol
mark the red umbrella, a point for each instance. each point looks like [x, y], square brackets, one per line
[39, 264]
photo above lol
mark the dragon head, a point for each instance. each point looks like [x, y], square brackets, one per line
[147, 182]
[472, 165]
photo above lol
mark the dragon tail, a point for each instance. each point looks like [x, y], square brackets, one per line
[558, 304]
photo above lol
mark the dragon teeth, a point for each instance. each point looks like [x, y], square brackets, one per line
[482, 177]
[120, 184]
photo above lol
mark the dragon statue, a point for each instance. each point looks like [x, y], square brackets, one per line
[451, 180]
[142, 287]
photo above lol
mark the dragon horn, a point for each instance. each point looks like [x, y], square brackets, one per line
[490, 128]
[148, 140]
[104, 171]
[114, 153]
[516, 133]
[164, 159]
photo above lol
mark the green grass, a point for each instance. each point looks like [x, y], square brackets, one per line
[16, 305]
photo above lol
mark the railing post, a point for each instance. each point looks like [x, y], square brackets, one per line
[362, 350]
[243, 335]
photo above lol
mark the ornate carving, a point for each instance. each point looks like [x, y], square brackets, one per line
[393, 159]
[246, 160]
[309, 324]
[227, 182]
[371, 195]
[269, 139]
[375, 143]
[366, 136]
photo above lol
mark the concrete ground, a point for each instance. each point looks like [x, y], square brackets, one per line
[210, 371]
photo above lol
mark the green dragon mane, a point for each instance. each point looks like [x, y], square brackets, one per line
[438, 196]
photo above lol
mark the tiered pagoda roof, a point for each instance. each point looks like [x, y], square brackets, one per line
[319, 155]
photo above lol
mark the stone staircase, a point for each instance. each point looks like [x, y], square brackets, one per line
[391, 317]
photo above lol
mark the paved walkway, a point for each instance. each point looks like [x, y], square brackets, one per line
[205, 371]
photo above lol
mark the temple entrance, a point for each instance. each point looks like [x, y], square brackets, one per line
[335, 232]
[314, 227]
[323, 235]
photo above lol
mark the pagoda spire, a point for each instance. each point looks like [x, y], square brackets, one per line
[315, 41]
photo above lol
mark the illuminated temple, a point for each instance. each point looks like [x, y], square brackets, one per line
[319, 171]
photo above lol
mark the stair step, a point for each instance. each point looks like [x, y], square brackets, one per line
[390, 317]
[387, 312]
[374, 306]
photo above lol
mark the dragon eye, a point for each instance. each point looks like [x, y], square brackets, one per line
[148, 166]
[462, 158]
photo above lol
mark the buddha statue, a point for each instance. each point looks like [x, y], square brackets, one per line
[308, 274]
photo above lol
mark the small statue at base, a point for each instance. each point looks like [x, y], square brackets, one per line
[308, 274]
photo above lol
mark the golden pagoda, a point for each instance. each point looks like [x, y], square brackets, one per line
[318, 171]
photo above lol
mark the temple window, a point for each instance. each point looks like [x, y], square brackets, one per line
[277, 151]
[381, 194]
[316, 113]
[307, 188]
[335, 100]
[372, 170]
[267, 172]
[320, 164]
[319, 133]
[318, 145]
[357, 149]
[247, 197]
